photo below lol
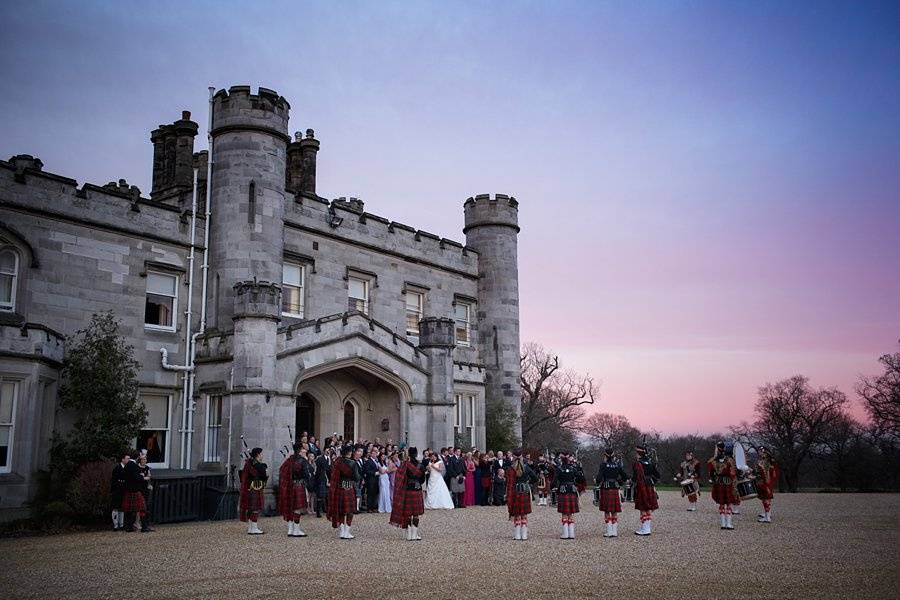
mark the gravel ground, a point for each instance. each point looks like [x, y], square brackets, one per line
[820, 545]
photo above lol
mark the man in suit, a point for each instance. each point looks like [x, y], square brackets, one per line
[323, 470]
[457, 477]
[371, 470]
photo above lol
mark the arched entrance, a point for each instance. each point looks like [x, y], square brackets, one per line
[306, 415]
[356, 399]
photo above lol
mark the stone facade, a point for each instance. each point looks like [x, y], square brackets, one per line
[319, 316]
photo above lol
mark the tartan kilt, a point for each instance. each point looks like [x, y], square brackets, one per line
[645, 498]
[342, 501]
[610, 501]
[519, 504]
[567, 504]
[412, 504]
[255, 501]
[299, 501]
[724, 493]
[134, 502]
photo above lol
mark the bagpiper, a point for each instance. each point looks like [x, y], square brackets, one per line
[345, 473]
[253, 484]
[407, 503]
[519, 479]
[690, 470]
[568, 478]
[293, 479]
[610, 476]
[645, 476]
[545, 476]
[766, 479]
[723, 475]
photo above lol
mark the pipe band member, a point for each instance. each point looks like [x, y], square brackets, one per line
[345, 474]
[294, 477]
[133, 503]
[545, 476]
[690, 469]
[610, 476]
[519, 479]
[253, 485]
[569, 476]
[766, 478]
[408, 503]
[723, 474]
[646, 499]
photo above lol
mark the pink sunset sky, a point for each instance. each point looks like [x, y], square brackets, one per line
[709, 192]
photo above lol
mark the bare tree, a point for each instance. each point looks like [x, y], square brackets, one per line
[551, 394]
[881, 395]
[611, 431]
[792, 419]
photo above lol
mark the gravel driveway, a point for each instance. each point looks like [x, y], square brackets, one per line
[820, 545]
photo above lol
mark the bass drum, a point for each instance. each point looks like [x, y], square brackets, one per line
[746, 489]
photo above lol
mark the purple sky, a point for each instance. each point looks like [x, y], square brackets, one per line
[710, 192]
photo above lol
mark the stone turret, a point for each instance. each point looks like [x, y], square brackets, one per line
[173, 156]
[492, 229]
[249, 135]
[430, 422]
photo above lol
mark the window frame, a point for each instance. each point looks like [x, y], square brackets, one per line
[167, 453]
[7, 468]
[421, 312]
[174, 326]
[457, 416]
[366, 292]
[469, 310]
[302, 267]
[207, 456]
[15, 279]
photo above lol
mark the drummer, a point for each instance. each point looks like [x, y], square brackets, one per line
[766, 477]
[689, 478]
[723, 475]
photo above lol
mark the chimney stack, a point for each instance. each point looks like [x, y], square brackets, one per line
[301, 163]
[173, 156]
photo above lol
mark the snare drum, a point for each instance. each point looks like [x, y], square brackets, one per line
[689, 487]
[746, 489]
[628, 492]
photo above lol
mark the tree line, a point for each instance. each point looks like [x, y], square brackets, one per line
[817, 442]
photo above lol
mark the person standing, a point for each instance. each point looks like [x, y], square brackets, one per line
[470, 469]
[372, 472]
[610, 476]
[458, 478]
[293, 479]
[568, 478]
[520, 477]
[146, 490]
[345, 474]
[723, 474]
[407, 502]
[323, 471]
[766, 479]
[645, 476]
[117, 492]
[385, 492]
[253, 484]
[133, 504]
[545, 476]
[690, 469]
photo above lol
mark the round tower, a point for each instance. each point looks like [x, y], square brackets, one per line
[492, 230]
[249, 143]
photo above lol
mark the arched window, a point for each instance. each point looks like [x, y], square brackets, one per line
[349, 421]
[9, 275]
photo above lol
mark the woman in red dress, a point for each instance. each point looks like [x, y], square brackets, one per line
[469, 494]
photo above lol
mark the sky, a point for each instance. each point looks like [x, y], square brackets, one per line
[709, 191]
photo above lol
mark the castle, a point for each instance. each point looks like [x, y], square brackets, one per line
[267, 308]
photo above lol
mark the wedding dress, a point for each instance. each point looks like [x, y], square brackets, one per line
[437, 494]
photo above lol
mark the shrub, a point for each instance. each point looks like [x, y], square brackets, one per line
[89, 491]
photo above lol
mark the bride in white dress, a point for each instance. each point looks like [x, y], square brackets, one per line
[437, 494]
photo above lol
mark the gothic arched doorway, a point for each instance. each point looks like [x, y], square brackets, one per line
[349, 420]
[306, 415]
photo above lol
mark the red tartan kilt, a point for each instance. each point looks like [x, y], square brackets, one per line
[344, 501]
[519, 504]
[412, 505]
[610, 501]
[300, 502]
[764, 492]
[133, 502]
[255, 501]
[567, 504]
[645, 498]
[724, 494]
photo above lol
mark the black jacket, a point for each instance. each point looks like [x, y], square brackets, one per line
[134, 479]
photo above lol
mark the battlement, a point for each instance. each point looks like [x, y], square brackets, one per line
[257, 299]
[485, 210]
[239, 109]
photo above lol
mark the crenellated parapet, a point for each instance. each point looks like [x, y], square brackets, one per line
[498, 210]
[257, 299]
[436, 332]
[240, 110]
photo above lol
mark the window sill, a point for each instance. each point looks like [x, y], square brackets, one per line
[158, 329]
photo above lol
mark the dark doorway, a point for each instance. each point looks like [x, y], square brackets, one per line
[349, 421]
[306, 415]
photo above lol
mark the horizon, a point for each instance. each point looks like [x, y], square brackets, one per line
[708, 193]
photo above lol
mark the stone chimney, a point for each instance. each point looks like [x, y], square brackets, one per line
[173, 157]
[301, 163]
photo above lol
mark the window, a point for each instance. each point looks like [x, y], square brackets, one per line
[162, 301]
[415, 302]
[470, 420]
[358, 291]
[8, 391]
[213, 427]
[462, 314]
[457, 416]
[154, 438]
[9, 273]
[293, 282]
